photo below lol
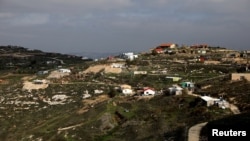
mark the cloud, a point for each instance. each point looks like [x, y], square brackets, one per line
[66, 6]
[6, 15]
[123, 24]
[30, 19]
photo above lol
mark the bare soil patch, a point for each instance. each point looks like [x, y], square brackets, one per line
[106, 68]
[57, 74]
[31, 86]
[26, 78]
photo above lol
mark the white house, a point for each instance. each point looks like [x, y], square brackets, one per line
[127, 91]
[209, 100]
[148, 91]
[129, 56]
[64, 70]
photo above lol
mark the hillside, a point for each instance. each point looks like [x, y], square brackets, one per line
[16, 59]
[50, 96]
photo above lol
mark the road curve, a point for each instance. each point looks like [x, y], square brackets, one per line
[194, 132]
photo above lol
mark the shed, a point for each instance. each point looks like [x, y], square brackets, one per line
[209, 100]
[65, 70]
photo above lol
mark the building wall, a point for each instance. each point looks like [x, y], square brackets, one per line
[238, 76]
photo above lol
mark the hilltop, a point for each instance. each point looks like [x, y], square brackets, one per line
[153, 95]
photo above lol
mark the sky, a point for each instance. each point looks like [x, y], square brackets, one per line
[74, 26]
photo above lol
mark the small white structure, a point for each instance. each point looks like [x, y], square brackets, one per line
[37, 81]
[86, 96]
[98, 91]
[223, 104]
[202, 51]
[126, 89]
[117, 65]
[175, 90]
[140, 72]
[188, 85]
[129, 55]
[148, 91]
[42, 72]
[64, 70]
[209, 100]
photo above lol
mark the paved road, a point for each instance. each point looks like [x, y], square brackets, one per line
[234, 109]
[194, 131]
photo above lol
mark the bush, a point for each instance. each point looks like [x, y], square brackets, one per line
[112, 93]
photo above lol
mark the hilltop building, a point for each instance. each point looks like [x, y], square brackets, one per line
[129, 55]
[165, 47]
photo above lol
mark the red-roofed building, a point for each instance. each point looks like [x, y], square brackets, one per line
[167, 45]
[148, 91]
[162, 48]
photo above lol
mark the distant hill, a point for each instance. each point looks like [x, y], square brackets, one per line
[19, 59]
[95, 55]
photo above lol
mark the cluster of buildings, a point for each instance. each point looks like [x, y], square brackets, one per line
[147, 91]
[170, 48]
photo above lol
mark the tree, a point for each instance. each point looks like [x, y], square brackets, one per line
[112, 92]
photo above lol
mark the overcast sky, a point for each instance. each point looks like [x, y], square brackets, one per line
[68, 26]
